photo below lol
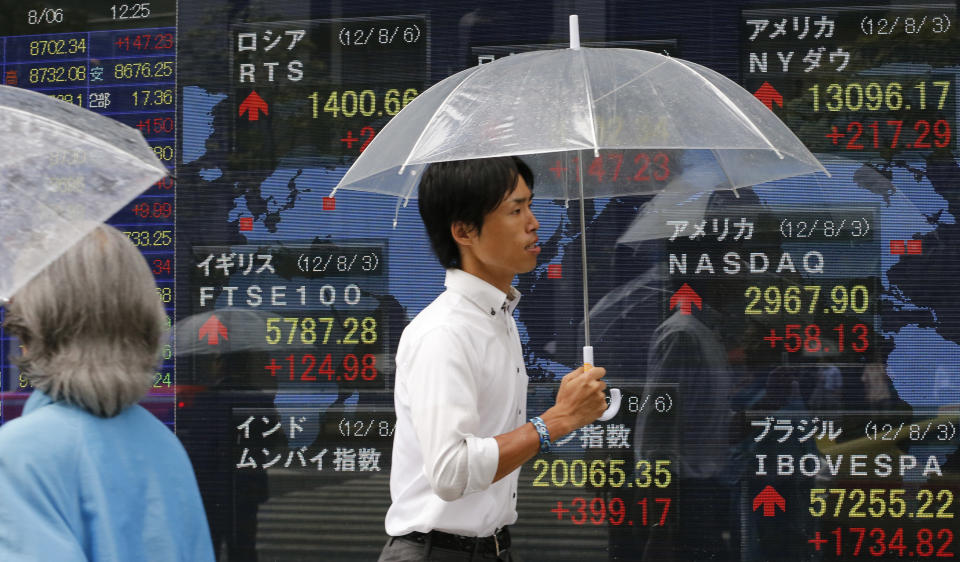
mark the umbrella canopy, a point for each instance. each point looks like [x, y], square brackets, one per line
[547, 102]
[64, 170]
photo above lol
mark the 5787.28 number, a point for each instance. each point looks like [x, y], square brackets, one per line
[309, 330]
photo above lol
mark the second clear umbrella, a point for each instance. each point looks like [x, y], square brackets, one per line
[63, 171]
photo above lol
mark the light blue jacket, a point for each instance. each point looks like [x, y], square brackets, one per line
[74, 486]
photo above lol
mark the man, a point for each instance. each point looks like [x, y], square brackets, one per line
[461, 385]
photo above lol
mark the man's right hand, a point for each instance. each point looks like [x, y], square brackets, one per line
[580, 400]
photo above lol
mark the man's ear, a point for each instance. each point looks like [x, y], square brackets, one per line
[462, 234]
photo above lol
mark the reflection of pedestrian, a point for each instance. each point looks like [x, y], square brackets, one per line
[783, 538]
[86, 473]
[687, 353]
[879, 395]
[828, 393]
[688, 360]
[207, 425]
[876, 385]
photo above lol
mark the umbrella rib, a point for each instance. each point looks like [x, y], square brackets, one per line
[722, 169]
[732, 106]
[401, 199]
[93, 139]
[631, 81]
[590, 102]
[406, 161]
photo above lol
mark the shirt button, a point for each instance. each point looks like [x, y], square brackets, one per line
[514, 494]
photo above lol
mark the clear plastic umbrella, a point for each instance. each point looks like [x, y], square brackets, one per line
[63, 171]
[562, 107]
[582, 99]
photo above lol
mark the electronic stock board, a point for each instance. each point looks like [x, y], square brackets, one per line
[789, 353]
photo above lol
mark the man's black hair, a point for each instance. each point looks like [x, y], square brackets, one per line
[464, 191]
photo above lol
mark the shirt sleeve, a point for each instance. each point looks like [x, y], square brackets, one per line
[35, 501]
[443, 395]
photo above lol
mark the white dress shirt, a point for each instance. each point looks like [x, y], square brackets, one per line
[460, 381]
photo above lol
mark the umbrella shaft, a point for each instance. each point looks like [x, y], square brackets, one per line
[583, 255]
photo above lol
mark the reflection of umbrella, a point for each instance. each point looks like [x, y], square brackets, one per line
[621, 301]
[239, 336]
[566, 106]
[658, 217]
[65, 170]
[228, 330]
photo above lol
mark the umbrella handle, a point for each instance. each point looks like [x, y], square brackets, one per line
[615, 396]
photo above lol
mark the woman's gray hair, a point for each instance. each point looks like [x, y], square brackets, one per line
[92, 324]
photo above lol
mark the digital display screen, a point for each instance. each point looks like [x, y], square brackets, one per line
[788, 353]
[862, 81]
[118, 60]
[345, 77]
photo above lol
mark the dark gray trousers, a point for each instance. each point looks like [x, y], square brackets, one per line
[401, 550]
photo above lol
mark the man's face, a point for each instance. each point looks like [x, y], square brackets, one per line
[507, 244]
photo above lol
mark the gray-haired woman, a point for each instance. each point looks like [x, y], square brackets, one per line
[86, 473]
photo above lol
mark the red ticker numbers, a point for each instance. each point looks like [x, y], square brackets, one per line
[145, 42]
[160, 266]
[163, 185]
[360, 140]
[892, 134]
[617, 166]
[600, 511]
[888, 543]
[155, 210]
[156, 125]
[810, 338]
[308, 367]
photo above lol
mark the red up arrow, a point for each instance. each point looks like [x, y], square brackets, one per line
[770, 499]
[769, 95]
[686, 297]
[252, 106]
[213, 329]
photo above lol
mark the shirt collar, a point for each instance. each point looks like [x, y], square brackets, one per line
[484, 295]
[37, 400]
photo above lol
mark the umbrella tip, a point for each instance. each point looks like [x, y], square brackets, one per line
[574, 32]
